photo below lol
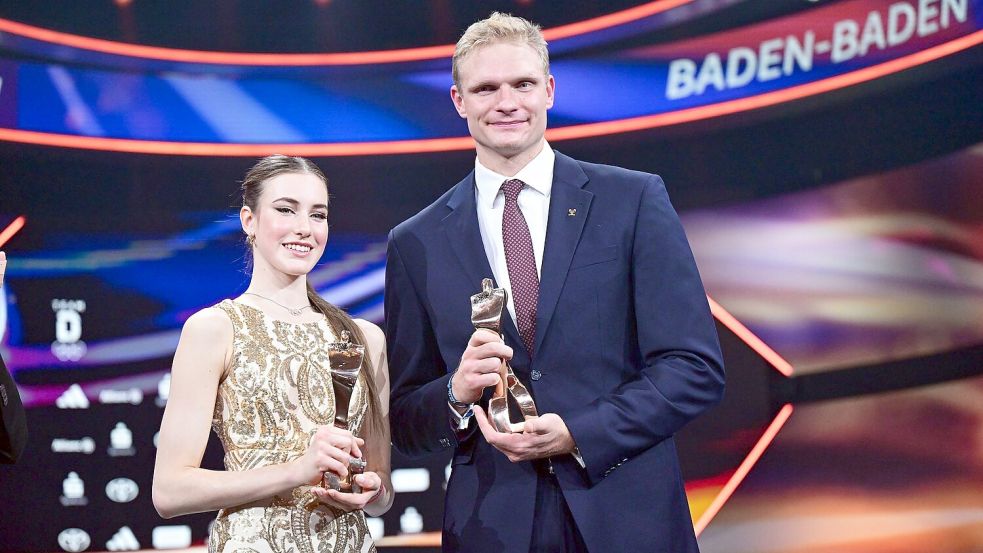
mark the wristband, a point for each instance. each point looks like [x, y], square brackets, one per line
[453, 400]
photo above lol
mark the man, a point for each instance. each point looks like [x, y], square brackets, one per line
[607, 324]
[13, 421]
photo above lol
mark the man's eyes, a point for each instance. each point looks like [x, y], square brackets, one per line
[486, 89]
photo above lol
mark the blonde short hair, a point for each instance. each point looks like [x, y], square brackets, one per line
[499, 27]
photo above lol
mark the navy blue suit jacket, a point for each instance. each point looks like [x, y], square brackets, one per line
[626, 353]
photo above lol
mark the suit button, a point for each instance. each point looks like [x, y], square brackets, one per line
[536, 375]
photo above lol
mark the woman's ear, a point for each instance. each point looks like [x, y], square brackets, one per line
[248, 220]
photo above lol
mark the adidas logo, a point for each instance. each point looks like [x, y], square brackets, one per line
[72, 398]
[123, 540]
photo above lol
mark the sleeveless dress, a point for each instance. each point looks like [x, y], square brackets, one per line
[272, 399]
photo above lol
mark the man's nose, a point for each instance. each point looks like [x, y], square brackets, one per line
[507, 100]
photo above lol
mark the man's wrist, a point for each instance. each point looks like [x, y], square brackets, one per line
[460, 406]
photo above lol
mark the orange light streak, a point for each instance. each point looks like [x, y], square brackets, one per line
[749, 338]
[745, 467]
[339, 58]
[572, 132]
[611, 20]
[12, 229]
[128, 145]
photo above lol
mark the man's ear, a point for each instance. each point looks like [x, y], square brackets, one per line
[550, 91]
[458, 102]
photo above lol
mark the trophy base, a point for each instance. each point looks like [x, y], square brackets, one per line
[347, 485]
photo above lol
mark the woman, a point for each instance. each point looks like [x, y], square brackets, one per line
[255, 369]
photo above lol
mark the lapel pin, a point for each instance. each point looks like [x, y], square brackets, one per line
[572, 212]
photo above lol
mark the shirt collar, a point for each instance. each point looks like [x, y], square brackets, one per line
[538, 174]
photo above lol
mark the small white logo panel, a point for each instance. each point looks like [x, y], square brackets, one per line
[72, 398]
[121, 441]
[84, 445]
[171, 537]
[163, 390]
[122, 490]
[411, 521]
[123, 540]
[74, 540]
[68, 345]
[410, 480]
[73, 491]
[133, 396]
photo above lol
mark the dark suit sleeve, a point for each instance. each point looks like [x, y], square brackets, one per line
[13, 420]
[682, 373]
[419, 414]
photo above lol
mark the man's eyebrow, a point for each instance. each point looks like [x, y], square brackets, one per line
[519, 79]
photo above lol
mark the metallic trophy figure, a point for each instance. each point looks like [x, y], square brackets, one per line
[345, 359]
[486, 312]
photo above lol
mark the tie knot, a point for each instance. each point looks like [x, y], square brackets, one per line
[511, 188]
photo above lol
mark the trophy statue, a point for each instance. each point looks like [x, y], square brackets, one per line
[486, 312]
[345, 361]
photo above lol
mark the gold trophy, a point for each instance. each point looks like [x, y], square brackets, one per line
[345, 360]
[486, 312]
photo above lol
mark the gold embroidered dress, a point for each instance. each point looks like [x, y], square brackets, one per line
[274, 396]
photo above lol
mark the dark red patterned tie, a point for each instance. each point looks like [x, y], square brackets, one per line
[521, 263]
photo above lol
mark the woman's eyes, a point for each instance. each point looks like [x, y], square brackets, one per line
[320, 216]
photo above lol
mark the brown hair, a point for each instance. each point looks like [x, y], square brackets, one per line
[252, 188]
[499, 27]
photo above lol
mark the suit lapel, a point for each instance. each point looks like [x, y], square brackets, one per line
[462, 232]
[563, 230]
[464, 236]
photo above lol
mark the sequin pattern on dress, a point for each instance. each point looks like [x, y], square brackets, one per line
[275, 394]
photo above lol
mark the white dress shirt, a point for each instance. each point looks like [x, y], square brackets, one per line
[534, 202]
